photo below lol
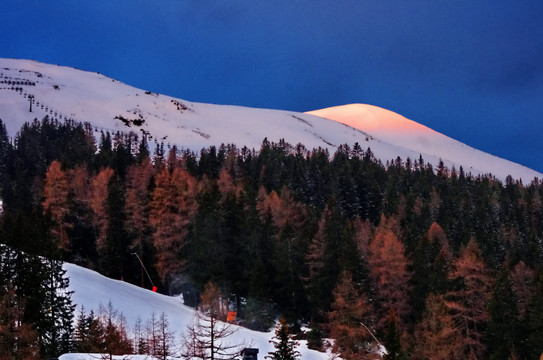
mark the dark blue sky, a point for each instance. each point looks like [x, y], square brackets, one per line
[472, 70]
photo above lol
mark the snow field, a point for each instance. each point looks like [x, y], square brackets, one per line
[92, 290]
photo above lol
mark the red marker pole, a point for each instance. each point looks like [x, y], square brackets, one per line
[154, 287]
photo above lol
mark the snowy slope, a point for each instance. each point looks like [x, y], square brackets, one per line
[107, 104]
[92, 290]
[411, 136]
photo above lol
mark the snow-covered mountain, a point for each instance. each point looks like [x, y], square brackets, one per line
[107, 104]
[93, 290]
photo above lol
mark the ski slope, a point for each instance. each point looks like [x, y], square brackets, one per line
[93, 290]
[108, 105]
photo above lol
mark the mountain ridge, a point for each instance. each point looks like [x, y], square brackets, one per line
[66, 93]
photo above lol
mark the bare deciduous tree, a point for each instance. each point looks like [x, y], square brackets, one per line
[207, 337]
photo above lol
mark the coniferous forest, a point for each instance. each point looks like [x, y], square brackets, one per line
[436, 263]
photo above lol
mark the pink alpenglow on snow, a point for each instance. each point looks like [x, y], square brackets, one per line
[372, 119]
[110, 106]
[413, 140]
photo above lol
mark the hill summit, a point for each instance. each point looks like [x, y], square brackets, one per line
[29, 90]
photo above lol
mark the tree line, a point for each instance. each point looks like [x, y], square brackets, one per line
[432, 262]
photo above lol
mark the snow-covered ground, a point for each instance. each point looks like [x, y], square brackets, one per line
[93, 290]
[109, 105]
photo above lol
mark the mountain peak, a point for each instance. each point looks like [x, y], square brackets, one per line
[65, 93]
[373, 119]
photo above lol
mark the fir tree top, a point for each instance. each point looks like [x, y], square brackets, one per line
[285, 346]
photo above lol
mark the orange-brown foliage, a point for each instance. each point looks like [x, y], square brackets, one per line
[172, 208]
[56, 191]
[389, 273]
[99, 193]
[437, 337]
[468, 304]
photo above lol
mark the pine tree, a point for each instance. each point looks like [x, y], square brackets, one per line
[81, 231]
[432, 260]
[535, 322]
[55, 328]
[18, 340]
[332, 250]
[522, 282]
[5, 150]
[503, 325]
[81, 330]
[138, 182]
[285, 346]
[114, 254]
[392, 338]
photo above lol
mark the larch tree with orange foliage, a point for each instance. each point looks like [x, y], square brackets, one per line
[437, 336]
[468, 302]
[56, 192]
[172, 208]
[388, 271]
[282, 207]
[98, 204]
[350, 319]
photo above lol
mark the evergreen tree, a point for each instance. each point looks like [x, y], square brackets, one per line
[5, 150]
[285, 346]
[38, 299]
[55, 328]
[287, 283]
[81, 231]
[18, 340]
[114, 255]
[432, 261]
[503, 325]
[82, 332]
[332, 250]
[392, 338]
[138, 197]
[143, 153]
[535, 322]
[105, 157]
